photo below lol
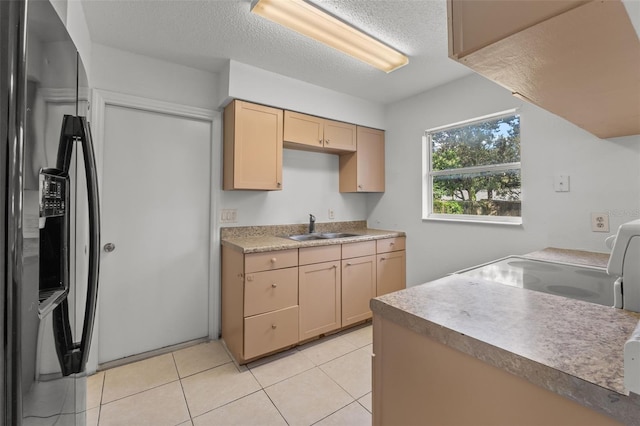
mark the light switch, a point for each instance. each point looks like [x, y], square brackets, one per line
[561, 183]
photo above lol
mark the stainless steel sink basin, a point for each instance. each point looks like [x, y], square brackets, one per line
[337, 235]
[305, 237]
[320, 236]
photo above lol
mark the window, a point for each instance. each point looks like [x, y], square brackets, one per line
[472, 170]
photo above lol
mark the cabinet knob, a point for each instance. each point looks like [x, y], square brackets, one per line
[327, 141]
[274, 285]
[359, 186]
[383, 258]
[279, 184]
[320, 141]
[349, 263]
[392, 244]
[273, 326]
[273, 260]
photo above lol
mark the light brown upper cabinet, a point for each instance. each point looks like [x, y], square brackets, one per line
[302, 131]
[252, 147]
[363, 170]
[577, 59]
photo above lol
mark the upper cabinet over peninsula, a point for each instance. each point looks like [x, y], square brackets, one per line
[577, 59]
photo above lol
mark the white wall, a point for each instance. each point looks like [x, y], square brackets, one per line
[604, 177]
[310, 185]
[132, 74]
[241, 81]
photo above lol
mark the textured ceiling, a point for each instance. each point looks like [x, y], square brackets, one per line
[204, 34]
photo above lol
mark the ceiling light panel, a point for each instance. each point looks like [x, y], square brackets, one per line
[317, 24]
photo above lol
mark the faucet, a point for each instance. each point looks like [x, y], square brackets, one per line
[312, 224]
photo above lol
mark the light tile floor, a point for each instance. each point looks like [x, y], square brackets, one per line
[325, 382]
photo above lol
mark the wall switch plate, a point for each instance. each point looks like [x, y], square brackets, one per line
[332, 214]
[600, 222]
[229, 215]
[561, 183]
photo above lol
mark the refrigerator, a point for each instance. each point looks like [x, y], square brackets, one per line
[50, 233]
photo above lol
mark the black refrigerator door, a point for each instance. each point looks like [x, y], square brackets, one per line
[73, 354]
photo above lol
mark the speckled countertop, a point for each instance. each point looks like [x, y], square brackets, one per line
[567, 346]
[256, 239]
[576, 257]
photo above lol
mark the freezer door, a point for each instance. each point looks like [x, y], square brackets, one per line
[41, 387]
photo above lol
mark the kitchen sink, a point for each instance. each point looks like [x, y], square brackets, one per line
[321, 236]
[305, 237]
[337, 235]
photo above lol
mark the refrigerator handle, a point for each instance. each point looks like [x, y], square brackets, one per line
[94, 239]
[73, 355]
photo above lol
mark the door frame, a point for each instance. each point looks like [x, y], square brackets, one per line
[100, 99]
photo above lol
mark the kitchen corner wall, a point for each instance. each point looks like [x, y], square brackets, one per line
[604, 177]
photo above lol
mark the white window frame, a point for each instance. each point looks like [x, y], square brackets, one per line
[428, 174]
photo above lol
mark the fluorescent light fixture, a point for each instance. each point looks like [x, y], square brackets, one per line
[312, 22]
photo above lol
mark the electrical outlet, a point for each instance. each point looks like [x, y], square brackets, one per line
[229, 215]
[599, 222]
[332, 214]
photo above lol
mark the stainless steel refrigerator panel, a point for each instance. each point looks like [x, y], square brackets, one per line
[50, 281]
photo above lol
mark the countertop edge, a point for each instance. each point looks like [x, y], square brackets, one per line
[262, 244]
[613, 404]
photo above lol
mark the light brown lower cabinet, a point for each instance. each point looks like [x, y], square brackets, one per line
[358, 281]
[320, 299]
[358, 288]
[275, 300]
[391, 265]
[420, 381]
[259, 302]
[391, 269]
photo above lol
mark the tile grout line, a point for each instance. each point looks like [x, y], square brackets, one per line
[184, 396]
[263, 389]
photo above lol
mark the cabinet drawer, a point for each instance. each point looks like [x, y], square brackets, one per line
[271, 331]
[364, 248]
[390, 244]
[270, 290]
[255, 262]
[309, 255]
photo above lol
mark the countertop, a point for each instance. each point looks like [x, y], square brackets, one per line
[567, 346]
[257, 239]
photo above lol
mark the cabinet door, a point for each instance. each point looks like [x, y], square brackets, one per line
[358, 288]
[339, 136]
[252, 147]
[363, 171]
[303, 129]
[391, 272]
[319, 298]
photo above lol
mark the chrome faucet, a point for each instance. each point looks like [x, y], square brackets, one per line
[312, 224]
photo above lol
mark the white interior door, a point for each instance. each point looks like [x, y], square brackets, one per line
[155, 210]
